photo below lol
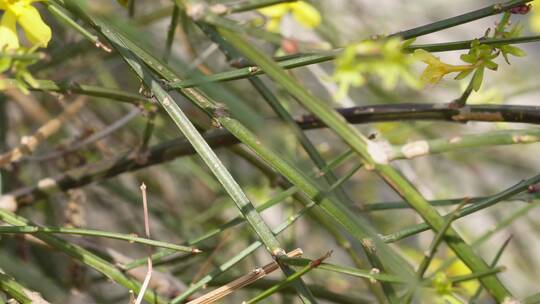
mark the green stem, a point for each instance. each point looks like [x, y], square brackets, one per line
[437, 240]
[504, 137]
[249, 5]
[355, 272]
[498, 255]
[29, 56]
[430, 254]
[82, 255]
[485, 203]
[19, 292]
[89, 90]
[476, 275]
[172, 30]
[295, 276]
[486, 236]
[382, 206]
[371, 155]
[356, 226]
[59, 13]
[458, 20]
[301, 60]
[96, 233]
[200, 145]
[238, 257]
[319, 291]
[280, 197]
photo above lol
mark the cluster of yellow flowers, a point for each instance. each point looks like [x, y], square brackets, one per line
[22, 12]
[303, 12]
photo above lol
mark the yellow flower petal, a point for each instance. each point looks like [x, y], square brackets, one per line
[306, 14]
[37, 32]
[8, 32]
[535, 22]
[426, 57]
[436, 69]
[432, 74]
[273, 24]
[275, 11]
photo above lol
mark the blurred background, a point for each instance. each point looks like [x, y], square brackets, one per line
[186, 200]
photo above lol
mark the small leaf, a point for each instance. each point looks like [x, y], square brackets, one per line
[515, 51]
[408, 43]
[469, 58]
[5, 63]
[491, 65]
[478, 78]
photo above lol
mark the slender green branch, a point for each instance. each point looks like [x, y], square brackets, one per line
[373, 207]
[485, 203]
[370, 153]
[356, 226]
[238, 257]
[487, 235]
[319, 291]
[301, 60]
[172, 30]
[82, 89]
[249, 5]
[280, 197]
[176, 148]
[498, 255]
[430, 253]
[19, 292]
[81, 255]
[295, 276]
[360, 273]
[62, 15]
[476, 275]
[495, 138]
[458, 20]
[200, 145]
[231, 53]
[96, 233]
[437, 240]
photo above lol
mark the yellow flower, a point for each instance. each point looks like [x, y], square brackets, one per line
[22, 12]
[535, 17]
[303, 12]
[436, 69]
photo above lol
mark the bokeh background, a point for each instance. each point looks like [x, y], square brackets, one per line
[186, 200]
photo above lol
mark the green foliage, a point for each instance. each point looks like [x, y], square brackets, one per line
[313, 184]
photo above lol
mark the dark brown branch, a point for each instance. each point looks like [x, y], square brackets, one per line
[218, 138]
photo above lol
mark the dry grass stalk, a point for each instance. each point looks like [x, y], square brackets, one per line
[242, 281]
[29, 143]
[149, 259]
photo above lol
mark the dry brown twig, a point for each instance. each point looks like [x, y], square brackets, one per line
[29, 143]
[242, 281]
[149, 259]
[206, 265]
[28, 104]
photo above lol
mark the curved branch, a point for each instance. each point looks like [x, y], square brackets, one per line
[219, 138]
